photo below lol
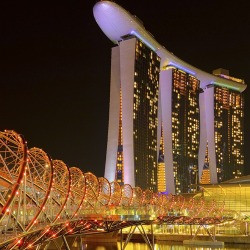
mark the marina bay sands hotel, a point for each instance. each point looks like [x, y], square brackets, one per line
[171, 125]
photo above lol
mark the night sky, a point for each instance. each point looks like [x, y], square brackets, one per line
[55, 66]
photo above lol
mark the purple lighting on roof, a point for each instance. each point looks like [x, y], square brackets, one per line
[133, 32]
[116, 23]
[182, 68]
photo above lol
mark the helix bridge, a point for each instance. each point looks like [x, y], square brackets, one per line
[42, 199]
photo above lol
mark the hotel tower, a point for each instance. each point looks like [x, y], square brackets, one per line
[132, 139]
[171, 126]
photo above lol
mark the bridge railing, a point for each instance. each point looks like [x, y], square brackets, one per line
[36, 191]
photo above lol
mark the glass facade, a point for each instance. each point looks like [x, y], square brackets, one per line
[185, 130]
[119, 161]
[161, 166]
[229, 134]
[148, 168]
[205, 177]
[145, 119]
[231, 196]
[145, 115]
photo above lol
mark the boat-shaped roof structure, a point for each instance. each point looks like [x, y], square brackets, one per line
[117, 24]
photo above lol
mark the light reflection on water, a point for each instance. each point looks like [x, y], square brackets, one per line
[161, 246]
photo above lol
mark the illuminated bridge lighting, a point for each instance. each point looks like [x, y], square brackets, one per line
[43, 199]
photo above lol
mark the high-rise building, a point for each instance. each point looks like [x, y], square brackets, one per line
[172, 125]
[185, 129]
[132, 140]
[228, 130]
[179, 116]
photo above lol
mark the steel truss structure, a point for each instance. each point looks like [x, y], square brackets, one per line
[42, 199]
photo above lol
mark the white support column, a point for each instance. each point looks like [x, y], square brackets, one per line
[209, 106]
[127, 64]
[166, 109]
[114, 109]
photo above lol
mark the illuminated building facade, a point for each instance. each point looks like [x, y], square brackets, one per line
[205, 177]
[119, 162]
[179, 92]
[161, 173]
[185, 129]
[134, 94]
[201, 114]
[229, 133]
[228, 122]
